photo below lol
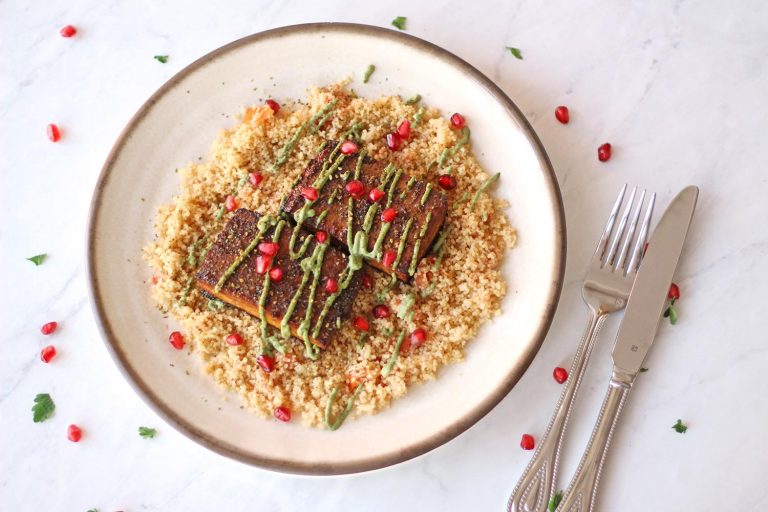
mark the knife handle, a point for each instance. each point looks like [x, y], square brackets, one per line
[582, 491]
[536, 485]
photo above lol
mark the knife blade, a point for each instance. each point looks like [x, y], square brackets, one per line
[648, 297]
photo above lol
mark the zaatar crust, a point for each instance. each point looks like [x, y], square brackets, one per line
[244, 287]
[408, 207]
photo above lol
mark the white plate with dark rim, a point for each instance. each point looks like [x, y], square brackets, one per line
[178, 124]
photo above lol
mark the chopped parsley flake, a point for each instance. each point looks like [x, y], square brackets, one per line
[368, 72]
[161, 58]
[43, 408]
[515, 52]
[555, 501]
[399, 22]
[147, 433]
[679, 427]
[38, 259]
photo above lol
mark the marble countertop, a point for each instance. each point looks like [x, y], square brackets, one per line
[678, 88]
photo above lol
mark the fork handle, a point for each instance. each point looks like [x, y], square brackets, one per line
[537, 484]
[582, 491]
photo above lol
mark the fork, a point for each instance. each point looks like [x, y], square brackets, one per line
[607, 284]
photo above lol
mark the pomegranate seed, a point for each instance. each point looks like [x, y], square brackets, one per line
[262, 263]
[255, 178]
[393, 141]
[275, 106]
[230, 204]
[309, 193]
[177, 340]
[321, 236]
[48, 353]
[234, 339]
[526, 442]
[560, 375]
[331, 285]
[268, 248]
[381, 311]
[68, 31]
[375, 194]
[674, 292]
[418, 337]
[355, 188]
[74, 433]
[276, 274]
[266, 363]
[53, 133]
[361, 324]
[367, 281]
[348, 147]
[562, 115]
[388, 258]
[404, 129]
[457, 121]
[49, 328]
[604, 152]
[446, 182]
[283, 413]
[388, 215]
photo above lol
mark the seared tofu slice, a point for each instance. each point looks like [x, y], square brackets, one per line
[233, 272]
[420, 209]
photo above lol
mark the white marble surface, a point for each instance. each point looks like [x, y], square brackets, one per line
[677, 88]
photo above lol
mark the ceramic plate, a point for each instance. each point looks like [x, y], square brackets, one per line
[178, 124]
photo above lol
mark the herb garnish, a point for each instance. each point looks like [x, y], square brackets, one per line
[161, 58]
[368, 72]
[43, 408]
[147, 433]
[516, 52]
[399, 22]
[679, 427]
[555, 501]
[38, 259]
[413, 99]
[643, 370]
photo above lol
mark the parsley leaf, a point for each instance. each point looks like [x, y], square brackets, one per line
[679, 427]
[147, 433]
[38, 259]
[399, 22]
[671, 313]
[555, 501]
[515, 51]
[368, 72]
[43, 408]
[643, 370]
[93, 510]
[161, 58]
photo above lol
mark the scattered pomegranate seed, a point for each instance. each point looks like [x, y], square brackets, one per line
[388, 215]
[418, 337]
[388, 258]
[526, 442]
[74, 433]
[367, 281]
[381, 311]
[276, 274]
[457, 121]
[309, 193]
[562, 115]
[560, 374]
[262, 263]
[331, 285]
[266, 363]
[230, 203]
[234, 339]
[275, 106]
[283, 413]
[394, 141]
[53, 133]
[674, 292]
[375, 194]
[446, 182]
[48, 353]
[68, 31]
[268, 248]
[604, 152]
[361, 324]
[49, 328]
[404, 129]
[355, 188]
[255, 178]
[321, 236]
[348, 147]
[177, 340]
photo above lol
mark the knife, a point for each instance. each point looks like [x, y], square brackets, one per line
[645, 307]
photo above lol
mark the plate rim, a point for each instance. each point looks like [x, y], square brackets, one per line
[440, 437]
